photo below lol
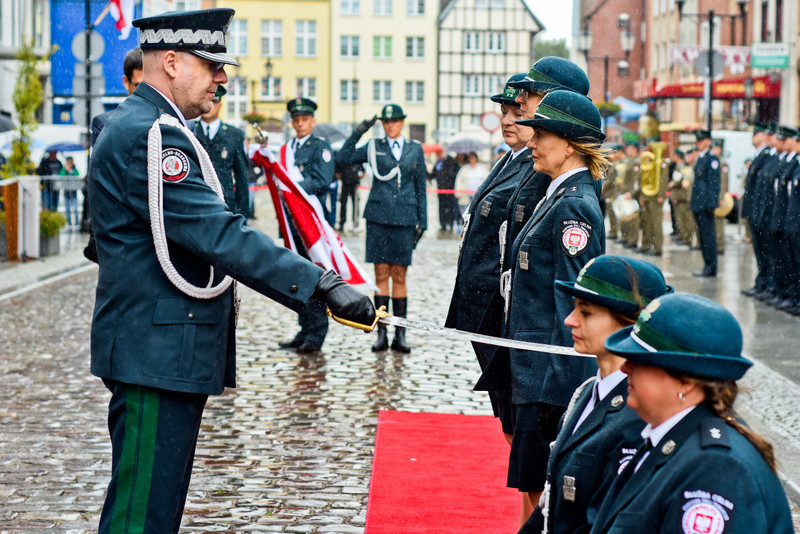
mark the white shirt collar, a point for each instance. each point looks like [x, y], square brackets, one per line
[391, 141]
[657, 434]
[171, 103]
[607, 384]
[213, 127]
[515, 153]
[703, 153]
[555, 184]
[299, 141]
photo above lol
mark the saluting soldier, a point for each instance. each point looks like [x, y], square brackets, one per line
[313, 158]
[163, 331]
[705, 199]
[761, 143]
[225, 146]
[396, 210]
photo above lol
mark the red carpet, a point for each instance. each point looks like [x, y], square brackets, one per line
[440, 473]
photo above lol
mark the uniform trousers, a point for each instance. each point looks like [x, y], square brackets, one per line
[706, 235]
[153, 439]
[348, 192]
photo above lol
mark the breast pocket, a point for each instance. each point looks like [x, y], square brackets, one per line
[188, 337]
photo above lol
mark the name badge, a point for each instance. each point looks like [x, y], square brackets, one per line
[569, 488]
[523, 260]
[224, 154]
[486, 208]
[519, 215]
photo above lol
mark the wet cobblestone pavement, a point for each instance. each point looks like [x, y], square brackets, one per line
[290, 450]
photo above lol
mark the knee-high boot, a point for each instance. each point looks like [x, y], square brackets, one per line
[399, 309]
[382, 343]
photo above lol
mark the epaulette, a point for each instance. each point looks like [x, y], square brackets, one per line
[714, 433]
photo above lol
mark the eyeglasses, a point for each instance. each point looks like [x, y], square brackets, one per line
[213, 66]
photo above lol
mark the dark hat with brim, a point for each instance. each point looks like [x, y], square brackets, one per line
[700, 135]
[301, 106]
[623, 285]
[568, 115]
[552, 73]
[685, 335]
[219, 93]
[509, 94]
[391, 112]
[785, 132]
[200, 32]
[760, 128]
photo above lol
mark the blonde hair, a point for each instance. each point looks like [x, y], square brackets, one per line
[594, 155]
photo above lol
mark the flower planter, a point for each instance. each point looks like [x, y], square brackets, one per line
[49, 246]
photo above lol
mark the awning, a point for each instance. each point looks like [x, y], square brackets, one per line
[726, 89]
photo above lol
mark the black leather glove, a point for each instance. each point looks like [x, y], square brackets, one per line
[418, 231]
[364, 126]
[344, 301]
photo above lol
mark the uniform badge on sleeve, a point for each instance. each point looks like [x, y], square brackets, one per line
[326, 156]
[705, 513]
[174, 165]
[714, 164]
[575, 236]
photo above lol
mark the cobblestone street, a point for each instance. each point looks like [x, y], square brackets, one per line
[290, 450]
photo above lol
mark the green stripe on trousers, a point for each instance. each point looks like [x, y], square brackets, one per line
[136, 462]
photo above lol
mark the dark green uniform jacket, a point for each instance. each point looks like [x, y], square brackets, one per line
[226, 150]
[145, 331]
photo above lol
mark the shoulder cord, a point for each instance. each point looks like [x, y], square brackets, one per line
[503, 235]
[544, 500]
[155, 200]
[373, 163]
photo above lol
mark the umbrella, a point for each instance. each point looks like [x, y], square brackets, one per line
[6, 124]
[329, 132]
[466, 145]
[65, 147]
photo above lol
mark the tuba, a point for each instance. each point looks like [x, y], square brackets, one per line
[651, 169]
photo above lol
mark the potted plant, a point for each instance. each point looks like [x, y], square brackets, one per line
[50, 225]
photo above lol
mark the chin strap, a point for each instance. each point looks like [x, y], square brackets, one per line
[155, 200]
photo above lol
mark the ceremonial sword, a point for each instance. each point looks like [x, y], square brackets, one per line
[381, 316]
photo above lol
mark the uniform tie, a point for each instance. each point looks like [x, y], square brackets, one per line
[648, 445]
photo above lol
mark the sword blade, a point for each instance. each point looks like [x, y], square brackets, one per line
[482, 338]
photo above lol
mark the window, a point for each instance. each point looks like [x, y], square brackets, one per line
[381, 91]
[351, 7]
[271, 88]
[382, 7]
[236, 99]
[271, 38]
[382, 46]
[415, 92]
[348, 90]
[415, 7]
[496, 42]
[448, 126]
[187, 5]
[495, 83]
[237, 38]
[472, 41]
[350, 46]
[307, 87]
[306, 38]
[415, 47]
[472, 85]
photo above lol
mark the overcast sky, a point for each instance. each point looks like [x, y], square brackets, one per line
[556, 15]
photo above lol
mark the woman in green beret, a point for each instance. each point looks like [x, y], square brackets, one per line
[700, 469]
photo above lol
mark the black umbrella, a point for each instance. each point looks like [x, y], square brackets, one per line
[329, 132]
[6, 124]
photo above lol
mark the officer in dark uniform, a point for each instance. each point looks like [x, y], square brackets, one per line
[314, 158]
[764, 198]
[705, 199]
[749, 200]
[225, 145]
[479, 255]
[792, 302]
[396, 210]
[699, 468]
[163, 331]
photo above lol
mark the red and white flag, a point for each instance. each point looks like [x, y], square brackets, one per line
[122, 12]
[320, 241]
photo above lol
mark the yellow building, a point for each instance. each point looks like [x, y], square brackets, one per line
[384, 51]
[284, 50]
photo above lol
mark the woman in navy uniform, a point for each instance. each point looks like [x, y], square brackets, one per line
[163, 331]
[598, 434]
[396, 210]
[564, 232]
[700, 468]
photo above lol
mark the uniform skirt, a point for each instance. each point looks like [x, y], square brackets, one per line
[535, 426]
[389, 244]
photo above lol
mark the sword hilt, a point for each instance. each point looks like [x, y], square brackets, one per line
[380, 313]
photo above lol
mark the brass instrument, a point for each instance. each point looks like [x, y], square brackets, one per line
[651, 168]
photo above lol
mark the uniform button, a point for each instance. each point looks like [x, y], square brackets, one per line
[293, 289]
[191, 316]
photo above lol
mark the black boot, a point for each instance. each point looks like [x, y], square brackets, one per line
[382, 343]
[399, 309]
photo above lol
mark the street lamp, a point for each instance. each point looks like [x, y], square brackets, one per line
[627, 39]
[268, 67]
[749, 88]
[710, 17]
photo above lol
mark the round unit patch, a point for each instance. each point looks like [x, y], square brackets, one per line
[575, 236]
[703, 518]
[174, 165]
[326, 156]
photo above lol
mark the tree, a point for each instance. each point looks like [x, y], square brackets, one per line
[28, 96]
[555, 47]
